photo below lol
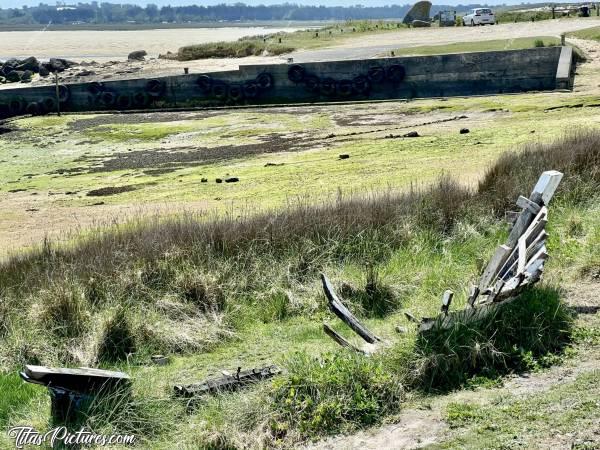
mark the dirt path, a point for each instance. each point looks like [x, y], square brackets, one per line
[420, 427]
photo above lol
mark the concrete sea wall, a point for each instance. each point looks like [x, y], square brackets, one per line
[536, 69]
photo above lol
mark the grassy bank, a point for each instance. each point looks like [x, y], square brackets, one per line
[480, 46]
[280, 43]
[244, 291]
[592, 34]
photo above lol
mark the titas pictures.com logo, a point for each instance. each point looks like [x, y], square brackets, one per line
[27, 436]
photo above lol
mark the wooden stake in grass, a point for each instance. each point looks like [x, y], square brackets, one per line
[57, 93]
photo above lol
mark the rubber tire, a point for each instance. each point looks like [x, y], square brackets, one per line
[345, 88]
[205, 83]
[264, 81]
[312, 83]
[140, 99]
[96, 87]
[296, 74]
[16, 106]
[396, 73]
[376, 74]
[361, 85]
[220, 90]
[108, 99]
[236, 93]
[49, 104]
[250, 89]
[124, 101]
[155, 88]
[33, 108]
[328, 86]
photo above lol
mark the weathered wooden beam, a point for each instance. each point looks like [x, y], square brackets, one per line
[339, 338]
[525, 203]
[473, 296]
[340, 310]
[446, 300]
[497, 261]
[83, 380]
[226, 383]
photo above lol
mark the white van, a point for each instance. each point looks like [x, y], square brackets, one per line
[479, 16]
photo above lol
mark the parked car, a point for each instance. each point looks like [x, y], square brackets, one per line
[479, 16]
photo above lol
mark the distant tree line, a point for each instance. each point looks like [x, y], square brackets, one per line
[104, 13]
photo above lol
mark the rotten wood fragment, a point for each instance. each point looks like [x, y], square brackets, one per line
[339, 338]
[340, 310]
[227, 383]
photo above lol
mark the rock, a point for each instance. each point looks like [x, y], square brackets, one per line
[26, 76]
[344, 156]
[2, 80]
[464, 131]
[9, 66]
[138, 55]
[232, 180]
[59, 64]
[85, 73]
[420, 24]
[14, 76]
[219, 180]
[30, 63]
[43, 71]
[204, 180]
[411, 134]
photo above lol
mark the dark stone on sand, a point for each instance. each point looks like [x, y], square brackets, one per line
[464, 130]
[232, 180]
[344, 156]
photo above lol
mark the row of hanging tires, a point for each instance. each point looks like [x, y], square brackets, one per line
[234, 92]
[17, 105]
[100, 96]
[359, 85]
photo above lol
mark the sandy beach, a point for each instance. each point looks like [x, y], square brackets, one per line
[110, 45]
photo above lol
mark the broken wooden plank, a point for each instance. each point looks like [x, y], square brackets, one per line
[339, 338]
[83, 380]
[340, 310]
[525, 203]
[227, 383]
[473, 296]
[446, 300]
[497, 261]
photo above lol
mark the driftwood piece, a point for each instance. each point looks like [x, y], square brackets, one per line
[340, 310]
[227, 383]
[339, 338]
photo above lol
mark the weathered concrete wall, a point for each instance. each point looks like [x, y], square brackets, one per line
[377, 79]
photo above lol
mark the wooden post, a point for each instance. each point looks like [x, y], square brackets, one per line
[57, 93]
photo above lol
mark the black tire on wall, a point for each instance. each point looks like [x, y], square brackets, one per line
[124, 101]
[396, 73]
[296, 73]
[264, 81]
[33, 108]
[328, 86]
[312, 83]
[96, 87]
[361, 84]
[155, 88]
[376, 74]
[49, 104]
[344, 88]
[250, 89]
[108, 98]
[141, 99]
[16, 106]
[220, 90]
[205, 83]
[64, 93]
[236, 93]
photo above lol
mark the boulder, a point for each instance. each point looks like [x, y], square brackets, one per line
[232, 180]
[26, 76]
[138, 55]
[59, 64]
[30, 63]
[411, 134]
[14, 76]
[464, 130]
[43, 71]
[420, 24]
